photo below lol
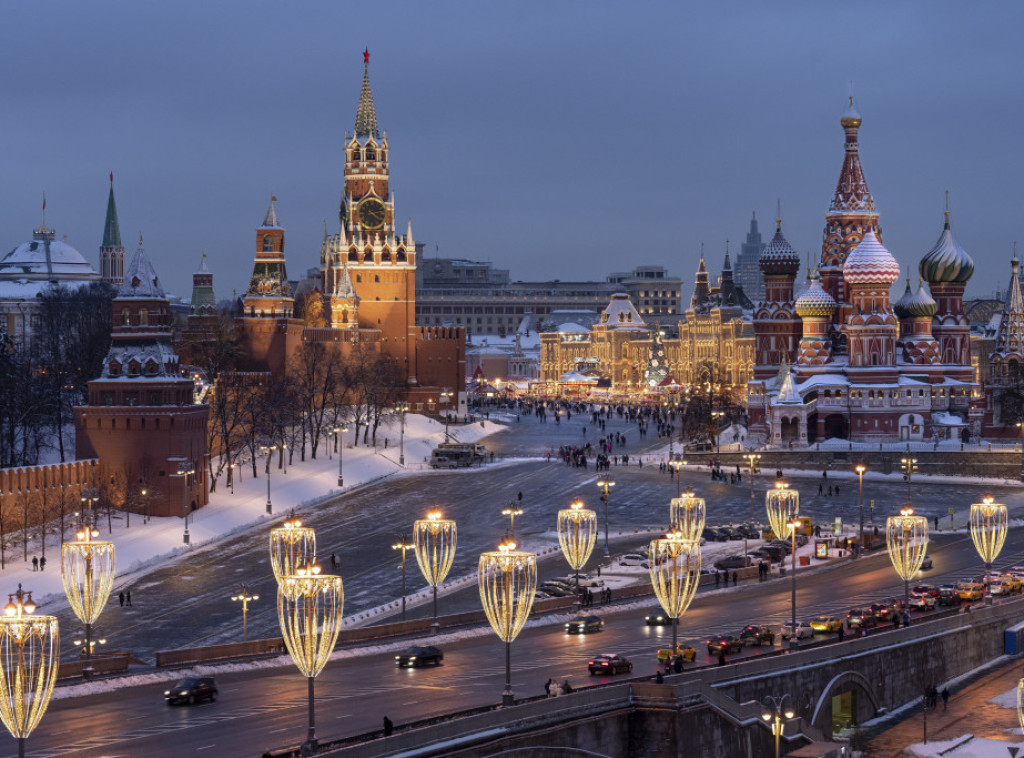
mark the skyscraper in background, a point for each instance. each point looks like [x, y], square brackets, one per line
[746, 272]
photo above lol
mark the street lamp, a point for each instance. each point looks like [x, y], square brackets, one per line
[908, 466]
[402, 408]
[906, 537]
[309, 610]
[338, 431]
[606, 488]
[268, 449]
[29, 658]
[292, 545]
[687, 514]
[783, 506]
[244, 596]
[773, 716]
[717, 416]
[435, 539]
[89, 645]
[577, 533]
[512, 510]
[677, 465]
[87, 572]
[403, 546]
[860, 468]
[507, 580]
[675, 573]
[989, 522]
[446, 396]
[185, 469]
[752, 468]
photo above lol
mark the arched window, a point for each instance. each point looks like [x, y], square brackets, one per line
[143, 317]
[268, 244]
[371, 153]
[356, 156]
[376, 279]
[126, 317]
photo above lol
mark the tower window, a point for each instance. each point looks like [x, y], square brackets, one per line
[126, 317]
[144, 317]
[268, 244]
[371, 154]
[356, 155]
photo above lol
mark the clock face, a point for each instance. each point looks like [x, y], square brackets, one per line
[372, 213]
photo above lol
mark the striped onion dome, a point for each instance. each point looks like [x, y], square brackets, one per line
[815, 302]
[778, 256]
[947, 261]
[870, 263]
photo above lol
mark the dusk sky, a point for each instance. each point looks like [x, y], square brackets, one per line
[556, 139]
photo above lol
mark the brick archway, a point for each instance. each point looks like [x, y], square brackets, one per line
[821, 717]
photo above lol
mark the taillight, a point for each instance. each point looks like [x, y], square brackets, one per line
[604, 663]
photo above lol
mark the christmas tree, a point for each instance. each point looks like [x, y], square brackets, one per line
[657, 363]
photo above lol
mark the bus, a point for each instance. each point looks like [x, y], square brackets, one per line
[477, 451]
[452, 458]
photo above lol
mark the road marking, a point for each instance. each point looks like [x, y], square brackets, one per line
[206, 747]
[282, 729]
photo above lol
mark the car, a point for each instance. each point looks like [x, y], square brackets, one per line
[1011, 580]
[733, 562]
[757, 634]
[557, 590]
[803, 630]
[922, 601]
[786, 545]
[419, 655]
[584, 625]
[948, 595]
[826, 624]
[882, 611]
[861, 617]
[926, 589]
[970, 590]
[191, 690]
[725, 642]
[658, 617]
[609, 663]
[711, 534]
[633, 559]
[750, 532]
[926, 563]
[586, 580]
[733, 533]
[775, 552]
[687, 651]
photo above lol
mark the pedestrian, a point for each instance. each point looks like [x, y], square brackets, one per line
[120, 597]
[735, 578]
[42, 563]
[824, 475]
[721, 656]
[896, 621]
[837, 490]
[830, 490]
[906, 619]
[389, 728]
[547, 686]
[334, 562]
[385, 443]
[820, 488]
[718, 578]
[945, 697]
[128, 598]
[842, 632]
[35, 563]
[677, 664]
[936, 523]
[658, 677]
[566, 688]
[599, 570]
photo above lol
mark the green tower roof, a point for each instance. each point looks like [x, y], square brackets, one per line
[111, 229]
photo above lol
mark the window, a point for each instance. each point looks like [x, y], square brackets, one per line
[356, 155]
[371, 153]
[126, 317]
[268, 244]
[143, 317]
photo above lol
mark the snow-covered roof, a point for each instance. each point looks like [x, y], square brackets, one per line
[47, 259]
[576, 376]
[871, 263]
[140, 280]
[942, 418]
[570, 327]
[620, 313]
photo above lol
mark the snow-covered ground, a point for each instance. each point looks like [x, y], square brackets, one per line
[965, 746]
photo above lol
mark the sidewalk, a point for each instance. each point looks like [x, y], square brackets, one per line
[969, 712]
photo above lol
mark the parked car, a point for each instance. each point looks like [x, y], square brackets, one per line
[757, 634]
[733, 562]
[777, 553]
[658, 617]
[860, 617]
[633, 559]
[826, 624]
[802, 629]
[922, 601]
[419, 655]
[926, 563]
[750, 531]
[786, 545]
[586, 580]
[609, 663]
[927, 589]
[191, 690]
[584, 625]
[557, 590]
[724, 642]
[948, 595]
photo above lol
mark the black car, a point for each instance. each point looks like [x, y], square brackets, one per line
[757, 634]
[724, 642]
[419, 655]
[192, 690]
[733, 562]
[609, 663]
[658, 617]
[584, 625]
[882, 611]
[776, 552]
[860, 617]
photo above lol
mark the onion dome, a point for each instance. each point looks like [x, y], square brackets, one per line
[870, 263]
[947, 261]
[921, 304]
[779, 257]
[815, 302]
[900, 306]
[851, 117]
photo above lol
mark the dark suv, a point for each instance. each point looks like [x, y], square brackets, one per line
[192, 690]
[861, 617]
[757, 634]
[725, 642]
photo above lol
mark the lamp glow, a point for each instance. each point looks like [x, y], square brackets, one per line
[783, 506]
[507, 580]
[675, 574]
[989, 522]
[87, 572]
[906, 539]
[687, 515]
[435, 539]
[292, 545]
[577, 534]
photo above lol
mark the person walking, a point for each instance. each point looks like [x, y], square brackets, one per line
[389, 728]
[42, 563]
[35, 563]
[658, 677]
[945, 697]
[128, 598]
[842, 632]
[566, 688]
[120, 597]
[735, 578]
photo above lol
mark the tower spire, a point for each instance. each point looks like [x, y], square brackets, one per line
[111, 228]
[366, 114]
[112, 249]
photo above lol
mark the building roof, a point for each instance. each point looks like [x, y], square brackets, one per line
[366, 114]
[47, 259]
[620, 313]
[852, 193]
[870, 263]
[111, 229]
[140, 280]
[815, 302]
[778, 256]
[270, 219]
[947, 261]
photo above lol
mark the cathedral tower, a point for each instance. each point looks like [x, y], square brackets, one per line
[112, 251]
[947, 268]
[777, 328]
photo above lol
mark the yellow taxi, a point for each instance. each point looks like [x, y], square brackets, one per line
[826, 624]
[1011, 582]
[970, 590]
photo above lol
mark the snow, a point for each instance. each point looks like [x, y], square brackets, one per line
[965, 746]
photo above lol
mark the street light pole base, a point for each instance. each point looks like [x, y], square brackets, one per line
[794, 643]
[507, 698]
[607, 551]
[401, 460]
[341, 482]
[88, 673]
[435, 628]
[270, 507]
[185, 537]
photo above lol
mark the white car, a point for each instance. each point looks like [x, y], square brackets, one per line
[803, 630]
[922, 601]
[633, 559]
[586, 580]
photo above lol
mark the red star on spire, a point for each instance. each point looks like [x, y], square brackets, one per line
[366, 55]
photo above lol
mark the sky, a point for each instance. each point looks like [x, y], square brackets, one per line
[559, 140]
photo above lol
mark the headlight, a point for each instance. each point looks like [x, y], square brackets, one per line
[183, 692]
[166, 693]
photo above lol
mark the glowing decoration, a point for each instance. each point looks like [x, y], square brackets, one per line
[675, 574]
[507, 580]
[29, 658]
[687, 515]
[87, 571]
[783, 506]
[989, 522]
[577, 534]
[435, 539]
[291, 547]
[906, 538]
[309, 608]
[1020, 703]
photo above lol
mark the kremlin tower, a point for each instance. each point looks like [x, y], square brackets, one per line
[112, 251]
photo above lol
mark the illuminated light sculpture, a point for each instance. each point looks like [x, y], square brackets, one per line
[675, 574]
[309, 608]
[1020, 703]
[989, 522]
[577, 534]
[292, 545]
[783, 506]
[906, 538]
[87, 571]
[29, 658]
[687, 513]
[435, 539]
[507, 580]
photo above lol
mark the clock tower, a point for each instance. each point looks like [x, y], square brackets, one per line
[368, 254]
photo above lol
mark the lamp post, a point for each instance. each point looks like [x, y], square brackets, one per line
[268, 449]
[773, 715]
[89, 645]
[909, 466]
[606, 487]
[446, 396]
[577, 533]
[338, 431]
[186, 469]
[231, 477]
[507, 580]
[309, 610]
[402, 408]
[87, 572]
[989, 522]
[906, 538]
[752, 468]
[292, 546]
[29, 658]
[435, 539]
[677, 465]
[783, 506]
[860, 468]
[686, 515]
[403, 545]
[512, 510]
[244, 596]
[675, 574]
